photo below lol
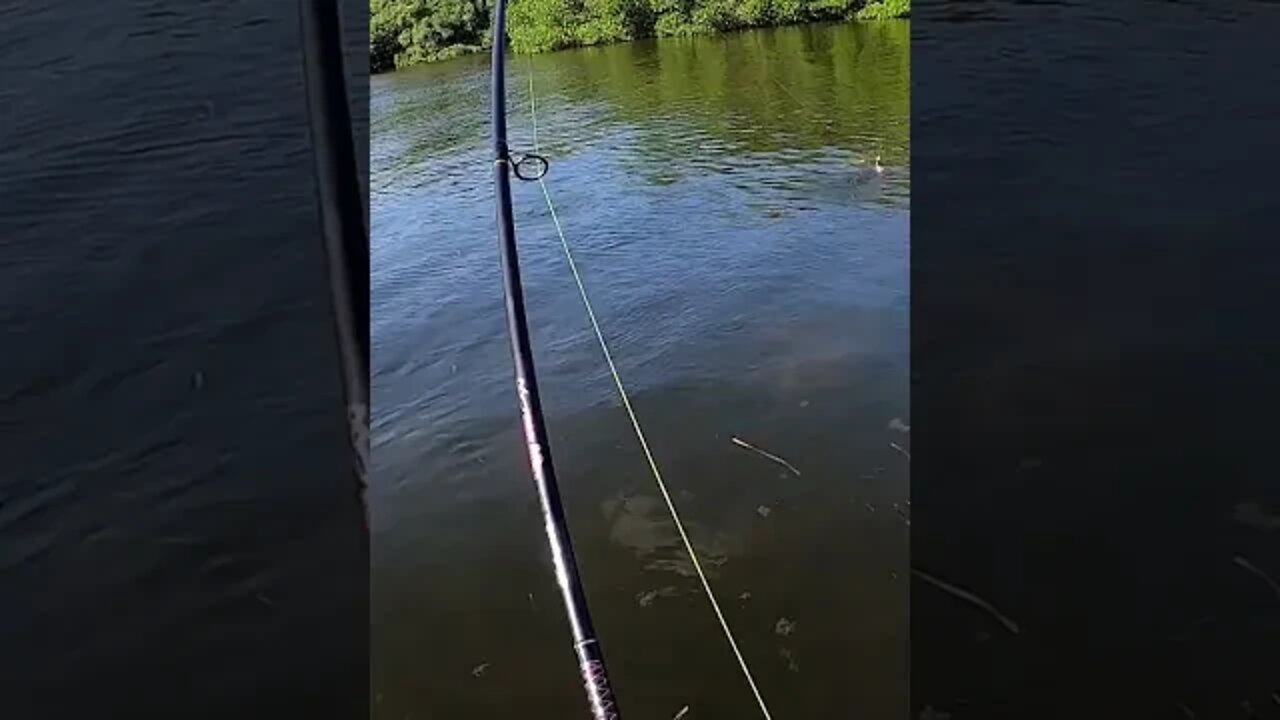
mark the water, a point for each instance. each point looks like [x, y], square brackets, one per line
[177, 514]
[747, 287]
[1092, 273]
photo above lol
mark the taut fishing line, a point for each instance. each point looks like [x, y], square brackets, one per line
[626, 404]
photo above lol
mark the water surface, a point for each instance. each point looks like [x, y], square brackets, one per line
[748, 284]
[1093, 278]
[177, 513]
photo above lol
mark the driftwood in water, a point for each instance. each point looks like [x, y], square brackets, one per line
[968, 597]
[764, 453]
[1258, 571]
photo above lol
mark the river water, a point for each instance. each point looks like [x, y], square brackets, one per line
[745, 293]
[1093, 343]
[178, 518]
[750, 283]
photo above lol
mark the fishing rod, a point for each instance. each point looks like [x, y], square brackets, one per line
[342, 216]
[530, 166]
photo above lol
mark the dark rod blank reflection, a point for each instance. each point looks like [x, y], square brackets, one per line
[342, 217]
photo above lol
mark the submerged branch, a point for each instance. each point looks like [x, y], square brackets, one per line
[1259, 572]
[968, 597]
[744, 444]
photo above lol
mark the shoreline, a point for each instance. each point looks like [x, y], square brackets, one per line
[386, 56]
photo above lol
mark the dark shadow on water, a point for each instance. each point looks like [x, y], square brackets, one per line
[1092, 381]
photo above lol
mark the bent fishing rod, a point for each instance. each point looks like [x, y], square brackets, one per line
[342, 217]
[529, 166]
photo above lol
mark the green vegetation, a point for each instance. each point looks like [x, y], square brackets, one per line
[408, 32]
[885, 10]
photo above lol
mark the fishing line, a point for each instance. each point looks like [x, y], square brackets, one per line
[635, 423]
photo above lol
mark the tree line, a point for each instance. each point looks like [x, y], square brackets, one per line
[408, 32]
